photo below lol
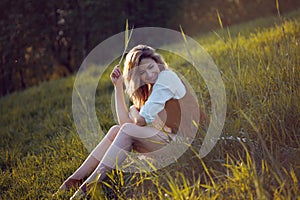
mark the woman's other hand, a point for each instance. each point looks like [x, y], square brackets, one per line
[135, 116]
[116, 76]
[133, 113]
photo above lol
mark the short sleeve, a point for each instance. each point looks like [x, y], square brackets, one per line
[169, 79]
[167, 86]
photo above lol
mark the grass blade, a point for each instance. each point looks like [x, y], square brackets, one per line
[127, 40]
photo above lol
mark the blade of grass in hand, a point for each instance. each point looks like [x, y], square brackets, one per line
[127, 39]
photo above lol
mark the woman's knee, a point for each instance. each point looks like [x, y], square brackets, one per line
[113, 132]
[127, 128]
[115, 128]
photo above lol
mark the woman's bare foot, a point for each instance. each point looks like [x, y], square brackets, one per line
[81, 192]
[68, 184]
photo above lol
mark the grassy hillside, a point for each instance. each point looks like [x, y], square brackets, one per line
[257, 156]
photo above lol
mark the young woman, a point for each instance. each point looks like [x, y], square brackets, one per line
[162, 107]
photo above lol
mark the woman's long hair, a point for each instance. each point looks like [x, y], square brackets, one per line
[135, 88]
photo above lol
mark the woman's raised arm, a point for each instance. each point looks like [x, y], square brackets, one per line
[121, 108]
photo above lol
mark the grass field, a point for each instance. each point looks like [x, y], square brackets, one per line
[257, 156]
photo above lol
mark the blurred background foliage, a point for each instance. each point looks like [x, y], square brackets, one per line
[257, 156]
[45, 40]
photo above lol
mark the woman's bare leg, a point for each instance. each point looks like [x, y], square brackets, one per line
[93, 159]
[129, 135]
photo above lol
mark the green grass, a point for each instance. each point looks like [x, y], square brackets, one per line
[257, 156]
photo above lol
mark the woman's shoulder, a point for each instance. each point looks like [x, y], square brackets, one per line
[169, 78]
[168, 74]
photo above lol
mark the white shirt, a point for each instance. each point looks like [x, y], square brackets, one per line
[167, 86]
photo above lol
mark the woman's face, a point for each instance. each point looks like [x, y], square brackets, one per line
[148, 70]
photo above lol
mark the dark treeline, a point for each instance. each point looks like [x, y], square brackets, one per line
[45, 40]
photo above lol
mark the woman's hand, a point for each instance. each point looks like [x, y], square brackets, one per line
[133, 113]
[135, 116]
[116, 76]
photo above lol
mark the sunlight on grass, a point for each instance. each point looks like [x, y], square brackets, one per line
[257, 156]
